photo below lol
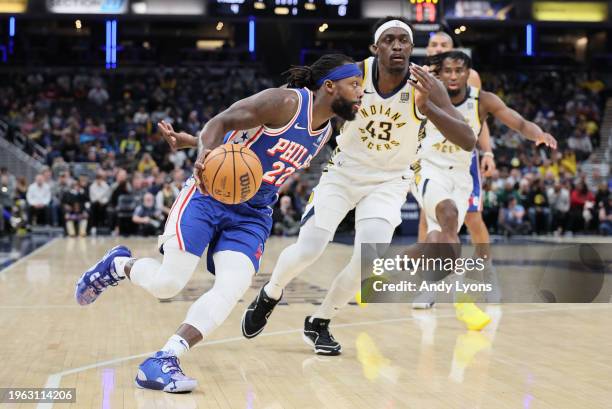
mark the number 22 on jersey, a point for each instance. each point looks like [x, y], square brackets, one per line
[281, 169]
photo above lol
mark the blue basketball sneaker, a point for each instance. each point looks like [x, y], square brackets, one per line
[100, 276]
[162, 372]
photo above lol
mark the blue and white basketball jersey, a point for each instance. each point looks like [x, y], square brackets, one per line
[283, 151]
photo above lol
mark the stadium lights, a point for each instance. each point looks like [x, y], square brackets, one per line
[252, 35]
[219, 26]
[463, 28]
[310, 6]
[282, 11]
[139, 7]
[111, 44]
[78, 25]
[529, 40]
[323, 27]
[259, 5]
[457, 31]
[11, 26]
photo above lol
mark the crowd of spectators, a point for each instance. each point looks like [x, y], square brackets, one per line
[108, 169]
[539, 191]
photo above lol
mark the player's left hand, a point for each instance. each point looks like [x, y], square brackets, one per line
[546, 139]
[176, 140]
[487, 166]
[427, 87]
[199, 170]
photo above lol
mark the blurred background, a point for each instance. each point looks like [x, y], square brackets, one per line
[83, 83]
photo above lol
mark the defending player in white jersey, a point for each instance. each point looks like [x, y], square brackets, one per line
[438, 43]
[442, 171]
[369, 173]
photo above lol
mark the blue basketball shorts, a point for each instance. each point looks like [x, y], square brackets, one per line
[198, 220]
[475, 202]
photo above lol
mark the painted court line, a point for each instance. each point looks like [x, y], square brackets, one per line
[27, 256]
[54, 380]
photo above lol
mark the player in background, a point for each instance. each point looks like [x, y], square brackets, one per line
[285, 128]
[369, 172]
[442, 171]
[438, 43]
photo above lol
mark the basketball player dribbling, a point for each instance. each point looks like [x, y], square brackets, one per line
[370, 172]
[285, 128]
[442, 171]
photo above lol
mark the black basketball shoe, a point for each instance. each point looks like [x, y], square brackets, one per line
[255, 317]
[317, 335]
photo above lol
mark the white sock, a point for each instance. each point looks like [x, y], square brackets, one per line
[273, 291]
[176, 345]
[120, 263]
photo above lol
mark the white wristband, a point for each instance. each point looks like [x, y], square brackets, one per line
[489, 154]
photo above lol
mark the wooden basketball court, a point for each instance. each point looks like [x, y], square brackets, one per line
[531, 356]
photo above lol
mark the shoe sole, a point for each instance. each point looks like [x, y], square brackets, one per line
[320, 351]
[476, 327]
[156, 386]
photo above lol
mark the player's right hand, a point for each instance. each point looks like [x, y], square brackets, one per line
[487, 166]
[198, 171]
[546, 139]
[176, 140]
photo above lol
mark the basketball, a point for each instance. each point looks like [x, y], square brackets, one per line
[232, 173]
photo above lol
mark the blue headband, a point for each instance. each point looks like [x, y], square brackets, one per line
[340, 73]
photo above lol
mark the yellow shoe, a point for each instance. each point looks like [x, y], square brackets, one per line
[474, 318]
[358, 299]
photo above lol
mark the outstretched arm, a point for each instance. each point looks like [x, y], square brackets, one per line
[432, 101]
[487, 163]
[492, 104]
[259, 109]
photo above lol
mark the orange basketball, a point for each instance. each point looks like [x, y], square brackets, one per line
[232, 173]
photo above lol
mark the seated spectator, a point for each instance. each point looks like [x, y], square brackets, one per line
[580, 143]
[286, 220]
[146, 164]
[139, 186]
[539, 210]
[99, 195]
[141, 117]
[511, 219]
[147, 217]
[98, 95]
[178, 178]
[6, 204]
[11, 181]
[165, 198]
[605, 217]
[579, 198]
[559, 200]
[130, 144]
[490, 206]
[76, 204]
[39, 200]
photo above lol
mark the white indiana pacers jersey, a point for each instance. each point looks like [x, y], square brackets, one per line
[383, 135]
[438, 152]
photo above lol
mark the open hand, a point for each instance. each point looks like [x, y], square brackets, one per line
[546, 139]
[176, 140]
